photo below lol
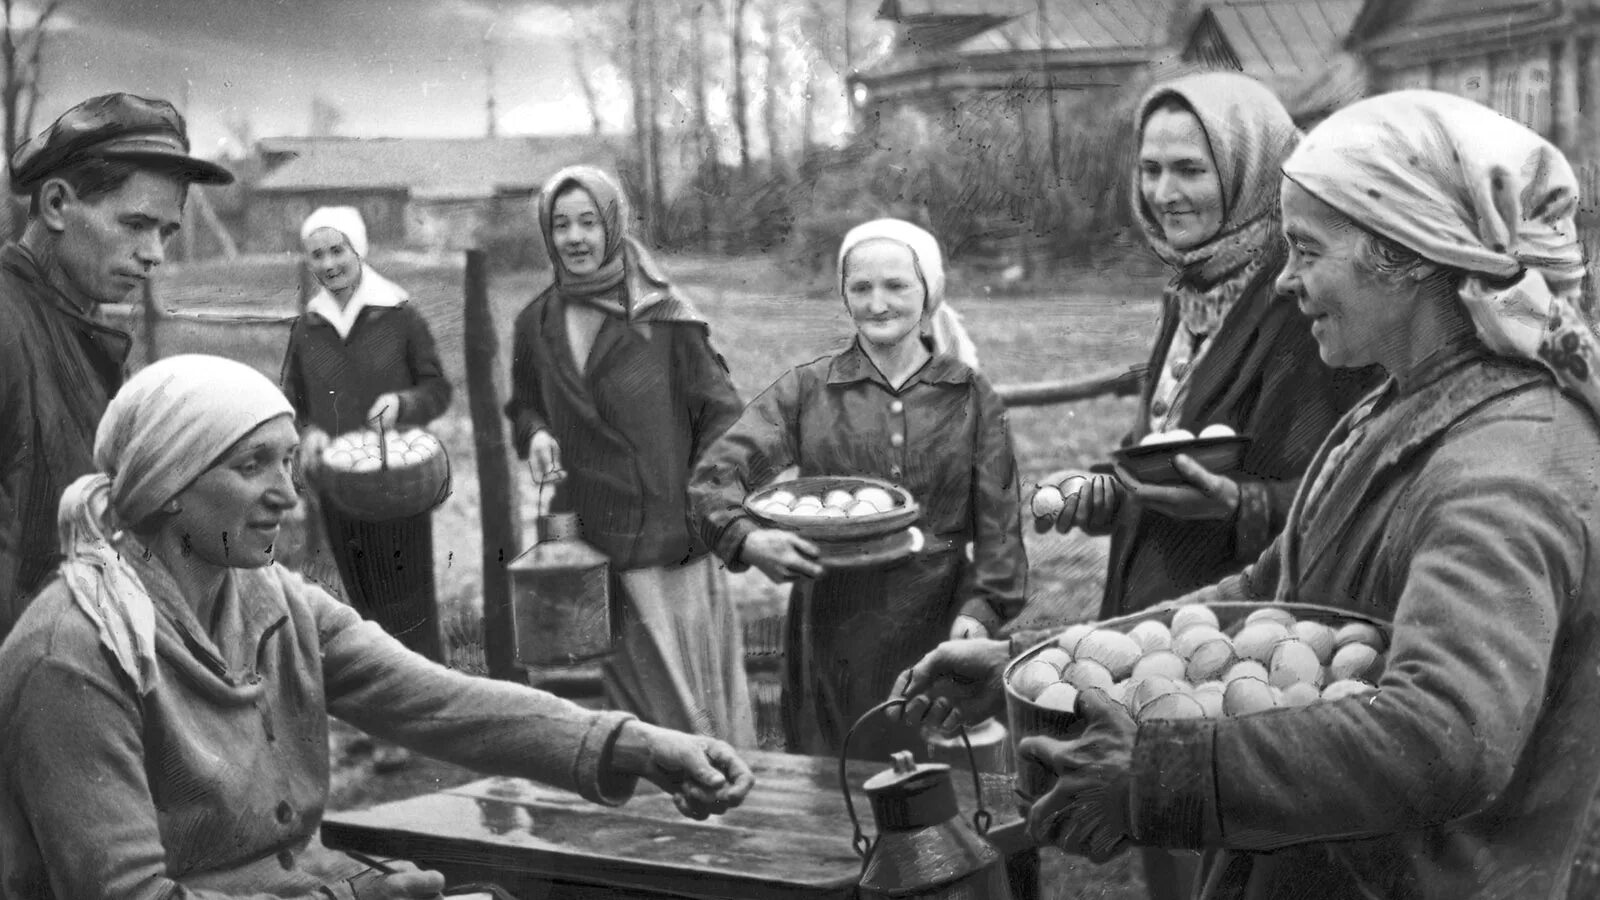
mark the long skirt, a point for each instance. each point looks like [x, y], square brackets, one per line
[679, 662]
[387, 570]
[848, 636]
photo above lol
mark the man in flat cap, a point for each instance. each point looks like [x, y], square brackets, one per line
[106, 185]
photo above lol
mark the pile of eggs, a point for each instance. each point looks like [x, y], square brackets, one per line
[362, 451]
[869, 500]
[1191, 669]
[1183, 435]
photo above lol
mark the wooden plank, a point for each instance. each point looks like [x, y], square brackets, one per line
[791, 840]
[495, 488]
[1115, 383]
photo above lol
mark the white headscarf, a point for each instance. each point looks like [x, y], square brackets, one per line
[1468, 188]
[949, 336]
[167, 426]
[344, 219]
[374, 289]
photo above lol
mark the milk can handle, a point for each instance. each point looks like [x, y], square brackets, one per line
[859, 841]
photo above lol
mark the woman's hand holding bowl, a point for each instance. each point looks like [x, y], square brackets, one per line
[781, 555]
[958, 683]
[1206, 496]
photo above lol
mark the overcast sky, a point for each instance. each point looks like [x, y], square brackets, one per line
[392, 67]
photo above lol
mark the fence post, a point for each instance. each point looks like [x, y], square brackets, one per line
[494, 471]
[152, 321]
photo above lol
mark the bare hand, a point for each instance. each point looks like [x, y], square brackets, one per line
[313, 443]
[385, 412]
[1207, 496]
[967, 628]
[958, 683]
[545, 454]
[1092, 508]
[704, 776]
[781, 555]
[408, 882]
[1086, 812]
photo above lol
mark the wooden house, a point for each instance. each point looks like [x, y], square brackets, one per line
[416, 193]
[1533, 60]
[1295, 47]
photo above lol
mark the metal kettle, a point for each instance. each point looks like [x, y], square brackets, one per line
[924, 848]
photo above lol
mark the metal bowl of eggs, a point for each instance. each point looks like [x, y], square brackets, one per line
[1216, 447]
[834, 509]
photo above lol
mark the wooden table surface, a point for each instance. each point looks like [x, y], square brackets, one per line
[790, 838]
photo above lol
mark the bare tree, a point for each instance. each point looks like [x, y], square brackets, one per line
[775, 101]
[741, 96]
[580, 70]
[705, 147]
[658, 194]
[21, 52]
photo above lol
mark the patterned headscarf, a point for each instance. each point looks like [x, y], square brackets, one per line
[1468, 188]
[1250, 134]
[166, 426]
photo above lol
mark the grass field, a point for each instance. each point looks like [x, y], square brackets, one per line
[764, 321]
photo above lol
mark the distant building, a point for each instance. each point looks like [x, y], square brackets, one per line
[948, 50]
[1533, 60]
[418, 193]
[1295, 47]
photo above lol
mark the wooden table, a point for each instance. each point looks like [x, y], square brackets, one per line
[789, 841]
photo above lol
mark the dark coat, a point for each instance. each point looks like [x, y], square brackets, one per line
[652, 397]
[332, 383]
[1464, 512]
[1263, 378]
[58, 370]
[943, 436]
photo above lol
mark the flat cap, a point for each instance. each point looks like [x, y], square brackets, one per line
[112, 126]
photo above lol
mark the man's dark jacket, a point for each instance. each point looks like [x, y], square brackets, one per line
[58, 370]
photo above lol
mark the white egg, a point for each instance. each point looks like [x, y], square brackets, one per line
[1216, 431]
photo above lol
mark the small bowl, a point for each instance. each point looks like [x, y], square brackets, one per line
[1153, 463]
[815, 528]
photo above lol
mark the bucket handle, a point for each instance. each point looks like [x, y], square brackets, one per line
[383, 442]
[864, 845]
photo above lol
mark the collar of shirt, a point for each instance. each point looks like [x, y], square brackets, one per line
[854, 366]
[374, 292]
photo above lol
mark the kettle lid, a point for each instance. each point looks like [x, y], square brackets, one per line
[906, 773]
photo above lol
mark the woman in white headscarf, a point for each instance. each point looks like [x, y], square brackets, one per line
[166, 700]
[362, 357]
[1435, 238]
[888, 407]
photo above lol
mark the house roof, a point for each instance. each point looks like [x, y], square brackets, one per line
[1082, 25]
[442, 168]
[1274, 39]
[1385, 23]
[904, 10]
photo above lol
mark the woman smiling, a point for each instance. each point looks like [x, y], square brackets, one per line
[166, 699]
[887, 407]
[615, 393]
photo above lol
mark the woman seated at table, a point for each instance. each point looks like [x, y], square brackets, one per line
[1436, 238]
[166, 698]
[888, 406]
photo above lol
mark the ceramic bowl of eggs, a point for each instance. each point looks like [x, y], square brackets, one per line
[829, 508]
[1195, 662]
[1216, 447]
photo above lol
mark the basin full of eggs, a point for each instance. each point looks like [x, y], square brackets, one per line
[364, 451]
[869, 500]
[1191, 668]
